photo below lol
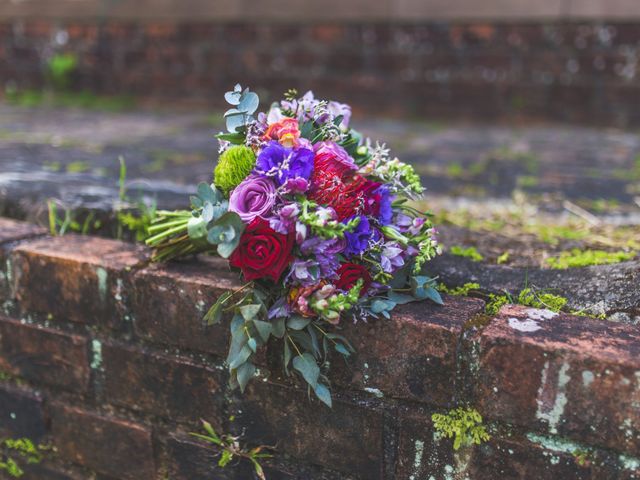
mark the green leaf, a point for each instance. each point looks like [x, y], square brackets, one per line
[206, 193]
[245, 373]
[263, 328]
[249, 312]
[214, 314]
[400, 298]
[278, 327]
[197, 228]
[225, 458]
[308, 368]
[252, 344]
[287, 356]
[342, 349]
[298, 322]
[240, 358]
[434, 295]
[235, 138]
[323, 394]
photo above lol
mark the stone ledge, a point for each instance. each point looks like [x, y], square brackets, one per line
[562, 374]
[154, 374]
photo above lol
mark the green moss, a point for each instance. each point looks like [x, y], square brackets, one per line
[464, 425]
[495, 303]
[77, 167]
[527, 181]
[531, 298]
[462, 290]
[233, 167]
[466, 252]
[504, 258]
[455, 170]
[582, 258]
[553, 233]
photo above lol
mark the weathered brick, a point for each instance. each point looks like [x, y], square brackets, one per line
[85, 277]
[168, 386]
[412, 355]
[169, 301]
[44, 355]
[21, 413]
[421, 454]
[189, 459]
[556, 373]
[12, 230]
[108, 445]
[347, 438]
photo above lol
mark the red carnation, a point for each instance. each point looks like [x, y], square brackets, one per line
[349, 274]
[262, 251]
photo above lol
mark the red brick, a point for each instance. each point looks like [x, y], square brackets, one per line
[558, 375]
[413, 355]
[85, 277]
[169, 386]
[12, 230]
[21, 413]
[108, 445]
[421, 454]
[45, 356]
[347, 438]
[169, 302]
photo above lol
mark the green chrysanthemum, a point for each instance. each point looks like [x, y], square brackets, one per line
[233, 167]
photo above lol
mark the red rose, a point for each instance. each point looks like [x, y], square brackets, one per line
[349, 274]
[262, 251]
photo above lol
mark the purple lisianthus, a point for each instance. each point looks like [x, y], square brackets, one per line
[382, 196]
[254, 197]
[284, 164]
[358, 240]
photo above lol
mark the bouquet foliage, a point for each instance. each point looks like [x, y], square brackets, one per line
[319, 223]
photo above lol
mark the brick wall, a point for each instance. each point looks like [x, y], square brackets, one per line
[578, 70]
[105, 357]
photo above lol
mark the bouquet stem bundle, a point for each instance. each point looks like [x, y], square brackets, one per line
[170, 236]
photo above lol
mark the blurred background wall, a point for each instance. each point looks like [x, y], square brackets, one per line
[497, 60]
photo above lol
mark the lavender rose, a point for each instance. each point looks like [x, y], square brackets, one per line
[254, 197]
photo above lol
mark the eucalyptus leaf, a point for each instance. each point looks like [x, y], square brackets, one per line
[249, 102]
[225, 250]
[298, 322]
[214, 314]
[263, 328]
[249, 312]
[308, 368]
[252, 344]
[400, 298]
[232, 98]
[245, 373]
[434, 295]
[323, 394]
[342, 349]
[197, 228]
[207, 212]
[278, 327]
[240, 358]
[206, 193]
[287, 356]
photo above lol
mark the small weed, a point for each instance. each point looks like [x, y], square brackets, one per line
[464, 425]
[503, 258]
[460, 291]
[229, 447]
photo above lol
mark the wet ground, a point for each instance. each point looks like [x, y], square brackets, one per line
[519, 195]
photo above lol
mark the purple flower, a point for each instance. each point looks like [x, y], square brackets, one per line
[325, 252]
[285, 219]
[385, 212]
[391, 258]
[254, 197]
[284, 163]
[336, 109]
[358, 240]
[304, 272]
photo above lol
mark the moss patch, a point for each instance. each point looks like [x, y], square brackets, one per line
[466, 252]
[583, 258]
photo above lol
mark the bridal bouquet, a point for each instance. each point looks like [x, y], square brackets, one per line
[318, 222]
